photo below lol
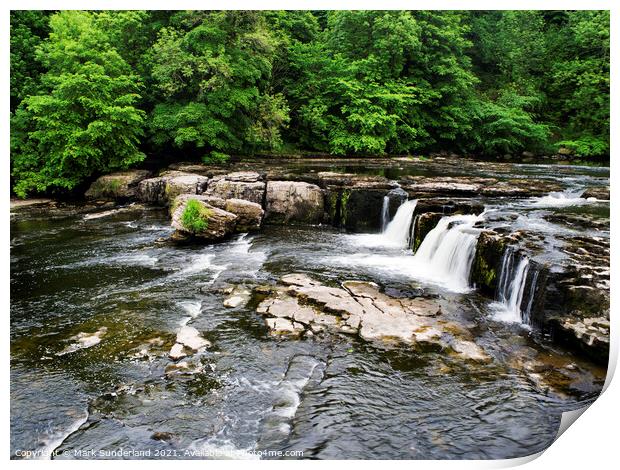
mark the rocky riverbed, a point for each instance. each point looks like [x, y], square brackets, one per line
[247, 305]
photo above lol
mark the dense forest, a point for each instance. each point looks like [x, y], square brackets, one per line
[93, 92]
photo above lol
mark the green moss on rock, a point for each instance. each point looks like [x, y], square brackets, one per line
[487, 261]
[195, 217]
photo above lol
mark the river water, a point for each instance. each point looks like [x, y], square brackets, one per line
[96, 304]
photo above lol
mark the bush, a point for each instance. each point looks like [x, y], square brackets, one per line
[195, 217]
[216, 157]
[586, 146]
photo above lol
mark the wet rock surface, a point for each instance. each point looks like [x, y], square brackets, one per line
[217, 224]
[302, 305]
[170, 184]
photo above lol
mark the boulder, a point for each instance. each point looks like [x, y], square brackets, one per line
[245, 185]
[601, 193]
[293, 202]
[170, 184]
[116, 186]
[193, 217]
[250, 214]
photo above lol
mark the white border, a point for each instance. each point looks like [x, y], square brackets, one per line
[591, 443]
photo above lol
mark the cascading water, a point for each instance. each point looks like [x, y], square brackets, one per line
[447, 252]
[511, 288]
[397, 232]
[385, 213]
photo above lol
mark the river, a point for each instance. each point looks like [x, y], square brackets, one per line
[96, 304]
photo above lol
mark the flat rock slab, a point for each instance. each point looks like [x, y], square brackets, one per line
[301, 305]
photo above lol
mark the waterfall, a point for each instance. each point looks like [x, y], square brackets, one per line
[511, 292]
[385, 213]
[397, 232]
[447, 252]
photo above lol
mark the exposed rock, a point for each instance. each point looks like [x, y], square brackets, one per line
[591, 335]
[245, 185]
[84, 341]
[600, 193]
[184, 367]
[116, 186]
[485, 270]
[293, 202]
[303, 304]
[423, 224]
[190, 337]
[163, 436]
[216, 223]
[170, 184]
[177, 351]
[360, 209]
[250, 214]
[238, 296]
[579, 221]
[467, 186]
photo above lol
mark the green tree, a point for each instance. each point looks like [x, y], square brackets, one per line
[212, 70]
[382, 81]
[28, 30]
[84, 121]
[578, 81]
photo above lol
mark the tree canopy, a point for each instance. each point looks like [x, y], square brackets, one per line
[96, 91]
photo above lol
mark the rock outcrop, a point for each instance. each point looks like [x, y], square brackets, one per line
[468, 186]
[304, 306]
[121, 185]
[600, 193]
[247, 185]
[163, 189]
[217, 218]
[293, 202]
[195, 218]
[485, 270]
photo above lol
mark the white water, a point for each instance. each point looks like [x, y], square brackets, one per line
[398, 230]
[570, 197]
[396, 233]
[444, 257]
[385, 213]
[447, 252]
[511, 289]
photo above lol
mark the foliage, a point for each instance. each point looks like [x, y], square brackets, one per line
[212, 70]
[586, 146]
[85, 120]
[95, 91]
[195, 217]
[216, 157]
[28, 29]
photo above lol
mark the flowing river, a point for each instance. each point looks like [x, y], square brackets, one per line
[96, 303]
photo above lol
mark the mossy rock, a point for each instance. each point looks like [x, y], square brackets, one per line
[486, 267]
[195, 216]
[423, 224]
